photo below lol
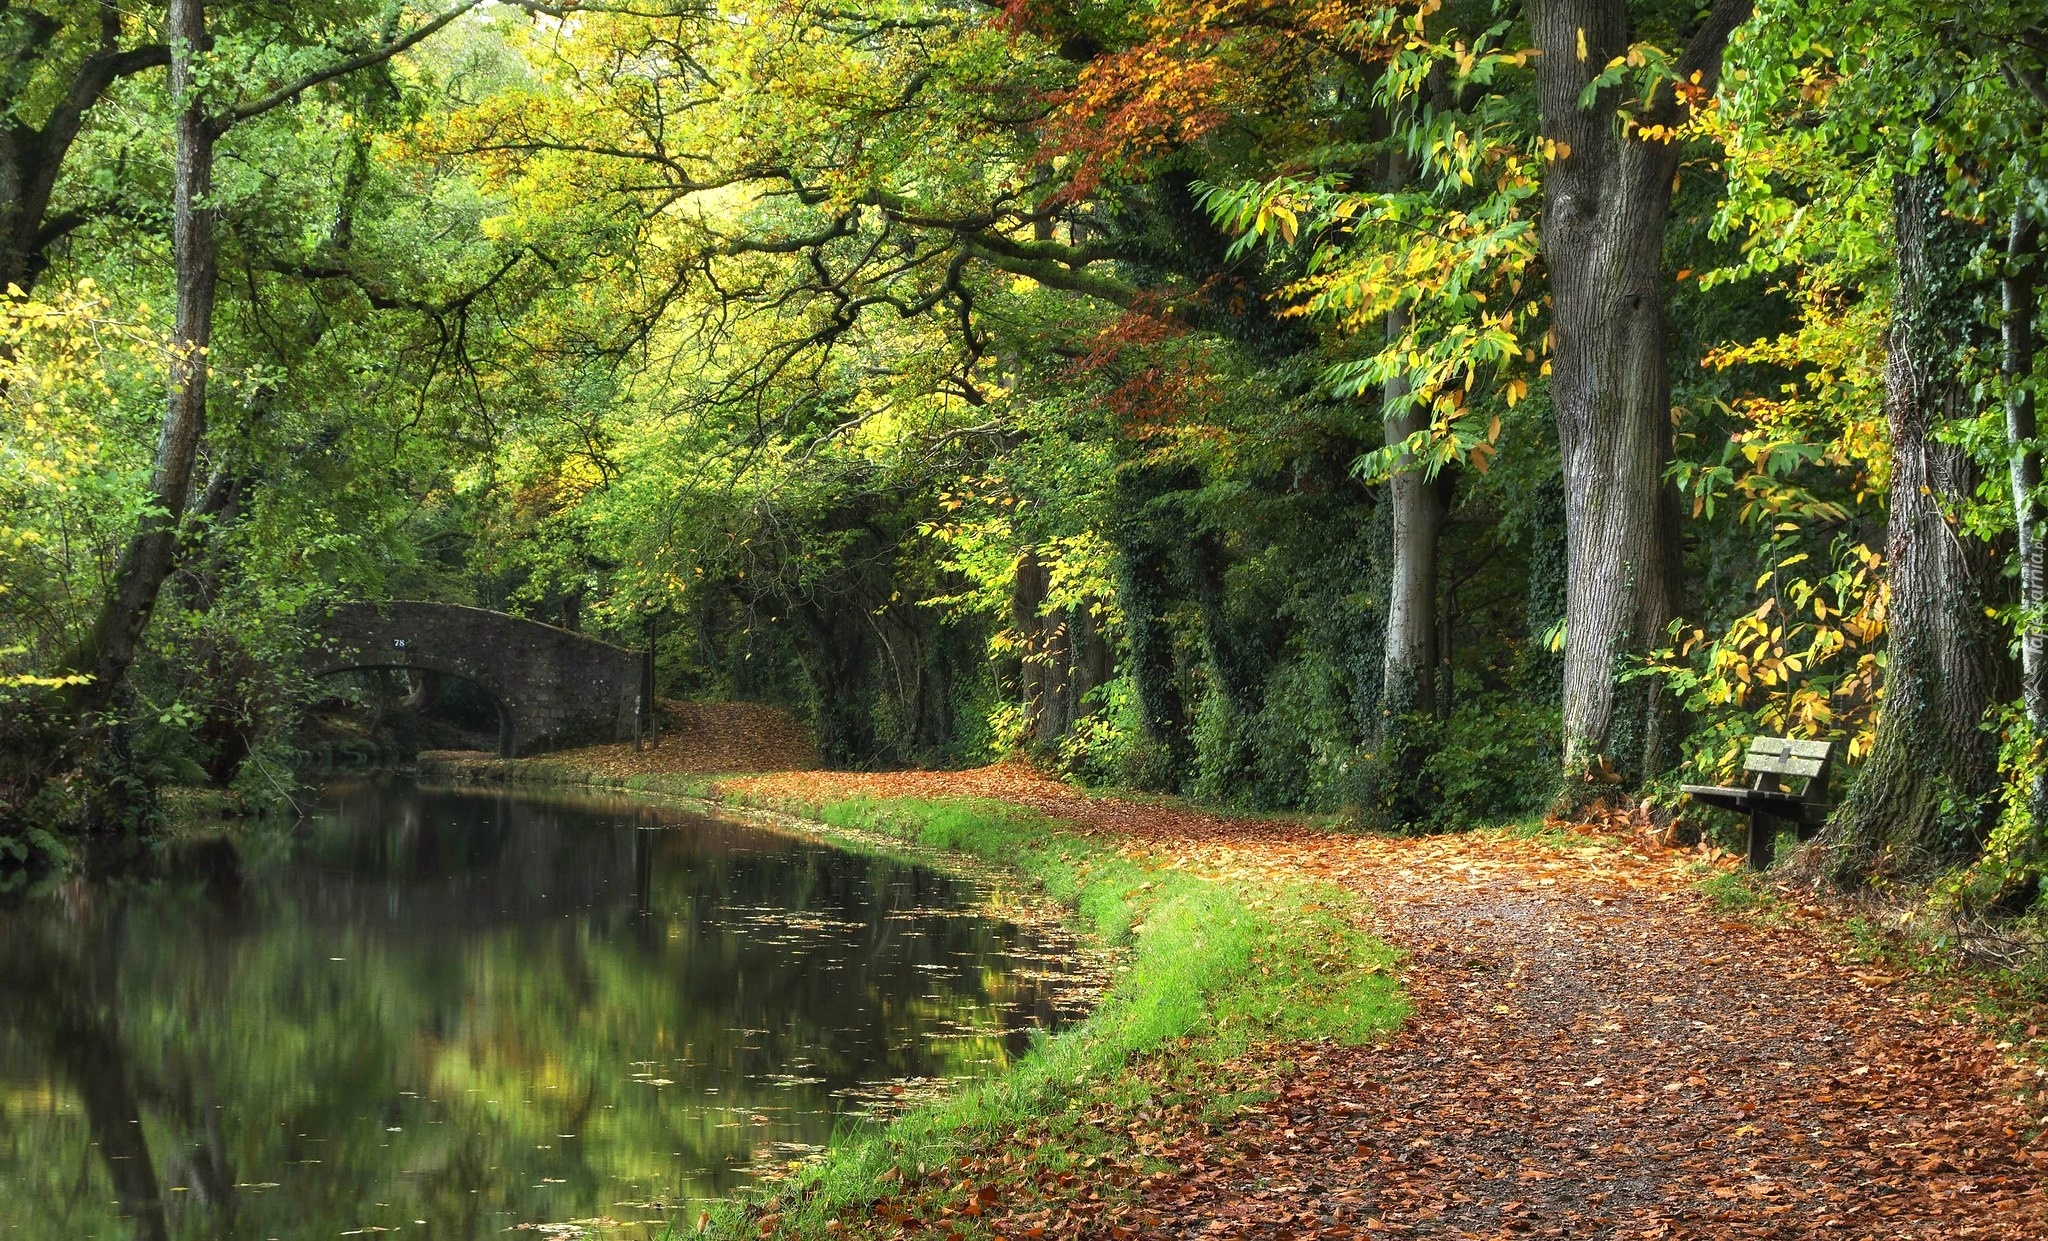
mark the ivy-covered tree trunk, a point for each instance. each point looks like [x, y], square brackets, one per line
[2021, 429]
[1924, 796]
[1144, 587]
[1161, 713]
[1236, 663]
[838, 655]
[1606, 200]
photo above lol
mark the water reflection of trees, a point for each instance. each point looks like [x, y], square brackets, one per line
[188, 1056]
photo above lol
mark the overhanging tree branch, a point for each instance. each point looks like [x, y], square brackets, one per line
[1055, 275]
[377, 55]
[94, 76]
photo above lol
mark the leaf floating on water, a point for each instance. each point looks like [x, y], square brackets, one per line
[571, 1229]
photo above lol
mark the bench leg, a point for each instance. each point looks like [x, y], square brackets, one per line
[1763, 839]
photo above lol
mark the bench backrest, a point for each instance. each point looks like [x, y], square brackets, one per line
[1773, 759]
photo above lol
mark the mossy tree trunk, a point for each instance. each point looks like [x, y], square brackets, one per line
[1038, 673]
[2017, 292]
[1062, 657]
[204, 114]
[1924, 796]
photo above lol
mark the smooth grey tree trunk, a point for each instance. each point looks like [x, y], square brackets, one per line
[1408, 665]
[1409, 668]
[1606, 201]
[148, 558]
[1924, 796]
[1402, 790]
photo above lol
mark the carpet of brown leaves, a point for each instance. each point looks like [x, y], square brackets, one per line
[1594, 1053]
[696, 739]
[714, 737]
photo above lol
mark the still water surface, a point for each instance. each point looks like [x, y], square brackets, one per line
[444, 1014]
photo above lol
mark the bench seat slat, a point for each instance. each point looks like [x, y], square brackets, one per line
[1774, 765]
[1792, 746]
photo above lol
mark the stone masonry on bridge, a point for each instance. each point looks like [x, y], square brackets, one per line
[554, 688]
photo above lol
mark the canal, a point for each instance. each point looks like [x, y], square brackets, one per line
[439, 1013]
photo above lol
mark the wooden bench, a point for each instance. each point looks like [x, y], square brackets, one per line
[1776, 760]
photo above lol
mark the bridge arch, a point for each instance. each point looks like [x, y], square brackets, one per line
[554, 688]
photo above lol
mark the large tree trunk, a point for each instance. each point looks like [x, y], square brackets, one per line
[1042, 654]
[1056, 695]
[1924, 797]
[1606, 199]
[1094, 663]
[2017, 291]
[147, 560]
[1402, 791]
[29, 162]
[1408, 682]
[1063, 657]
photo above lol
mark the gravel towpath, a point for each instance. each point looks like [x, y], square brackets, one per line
[1594, 1053]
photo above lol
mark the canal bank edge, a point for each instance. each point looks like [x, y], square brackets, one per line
[1221, 979]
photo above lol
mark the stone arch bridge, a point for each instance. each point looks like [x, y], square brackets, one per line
[554, 688]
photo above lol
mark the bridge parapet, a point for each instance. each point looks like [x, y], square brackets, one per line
[554, 688]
